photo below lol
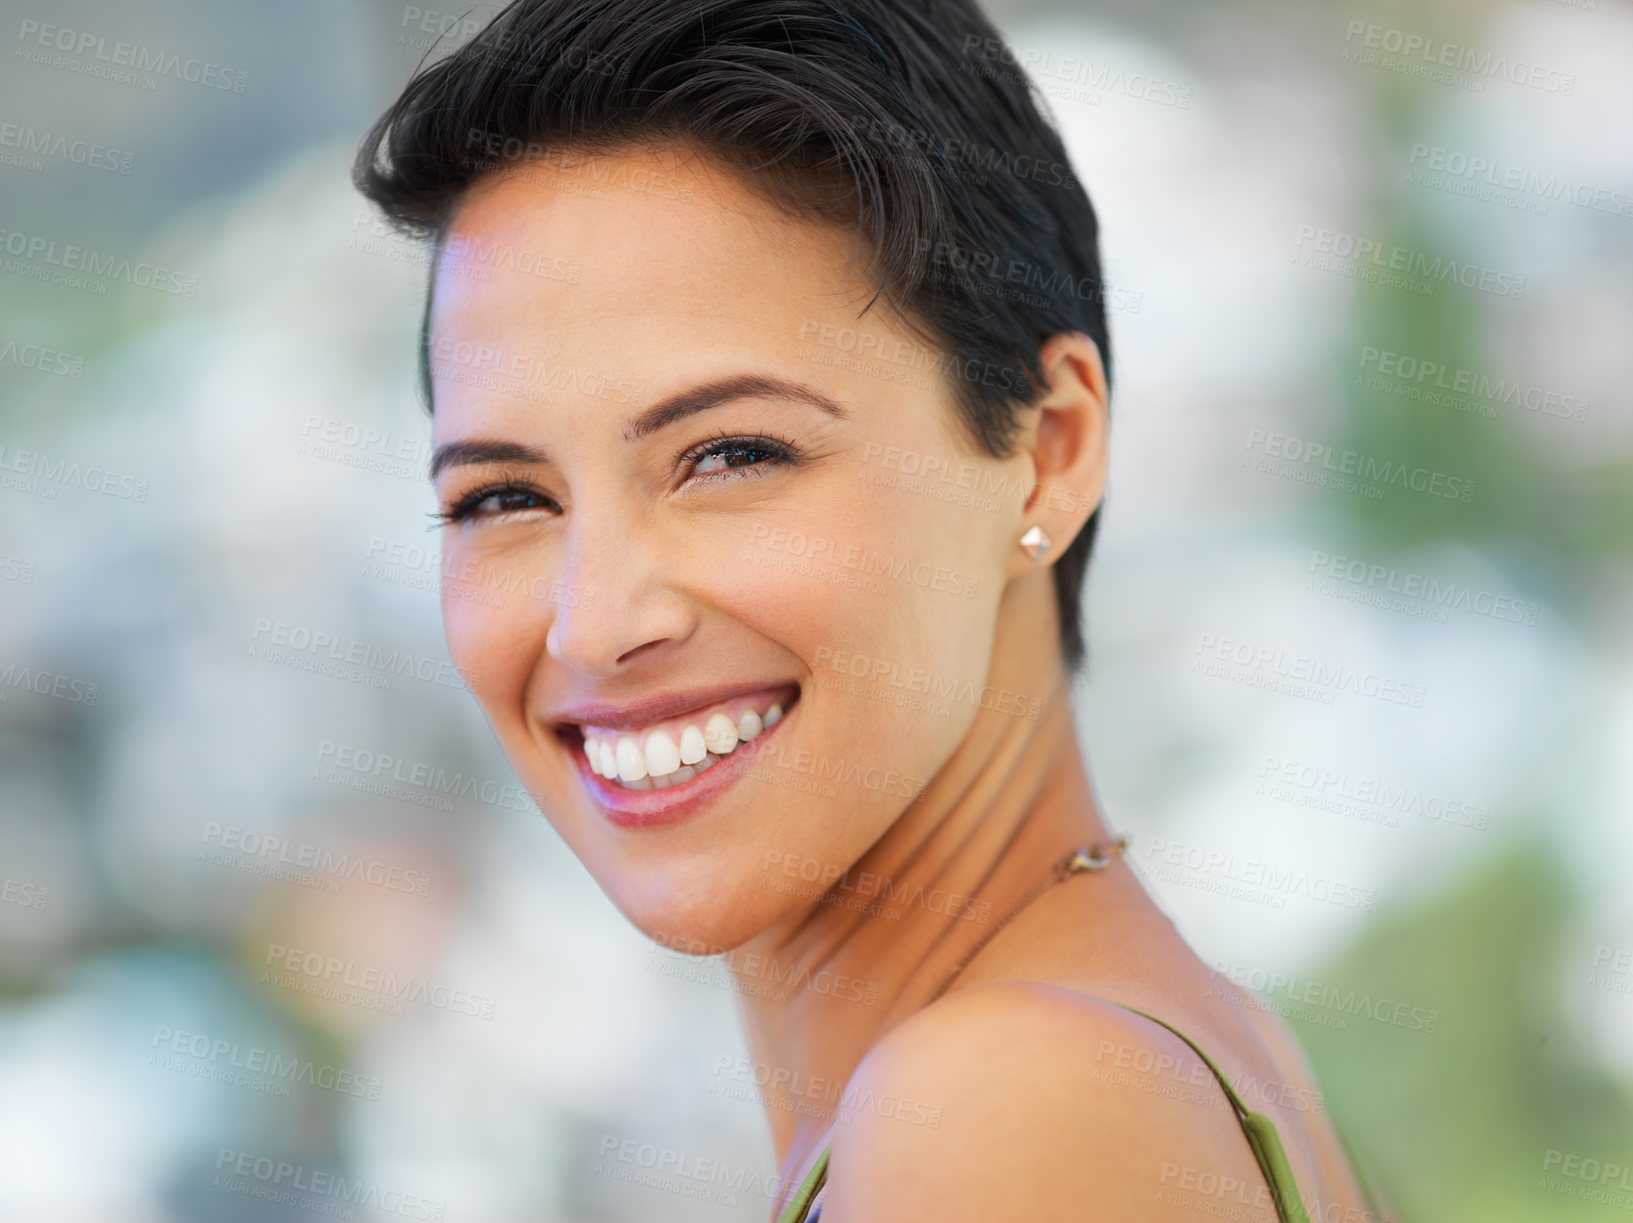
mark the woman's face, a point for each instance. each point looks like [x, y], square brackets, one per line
[676, 464]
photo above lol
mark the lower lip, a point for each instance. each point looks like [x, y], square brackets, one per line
[651, 808]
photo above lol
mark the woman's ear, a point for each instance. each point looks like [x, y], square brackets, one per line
[1066, 436]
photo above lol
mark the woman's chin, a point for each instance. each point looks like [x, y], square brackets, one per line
[710, 924]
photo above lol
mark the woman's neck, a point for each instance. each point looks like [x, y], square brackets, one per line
[1012, 799]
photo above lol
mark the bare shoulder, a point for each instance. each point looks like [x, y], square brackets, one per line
[1017, 1099]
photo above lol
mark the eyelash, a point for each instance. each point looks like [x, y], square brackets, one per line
[779, 449]
[465, 507]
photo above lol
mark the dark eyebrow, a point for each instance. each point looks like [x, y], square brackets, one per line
[676, 407]
[724, 390]
[478, 450]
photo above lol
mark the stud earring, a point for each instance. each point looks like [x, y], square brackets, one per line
[1035, 542]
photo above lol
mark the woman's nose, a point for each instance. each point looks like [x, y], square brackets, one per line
[616, 600]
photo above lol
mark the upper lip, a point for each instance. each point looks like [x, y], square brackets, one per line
[632, 715]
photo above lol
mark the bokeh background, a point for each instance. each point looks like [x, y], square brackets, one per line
[218, 610]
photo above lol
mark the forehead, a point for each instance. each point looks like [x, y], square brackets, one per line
[651, 248]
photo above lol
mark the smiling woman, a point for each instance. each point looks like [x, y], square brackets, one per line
[769, 340]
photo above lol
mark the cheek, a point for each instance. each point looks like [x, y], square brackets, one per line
[903, 671]
[933, 573]
[884, 598]
[494, 635]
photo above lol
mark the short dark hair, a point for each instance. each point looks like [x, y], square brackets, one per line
[909, 120]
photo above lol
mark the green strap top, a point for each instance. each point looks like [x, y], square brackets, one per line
[1261, 1136]
[1260, 1130]
[799, 1206]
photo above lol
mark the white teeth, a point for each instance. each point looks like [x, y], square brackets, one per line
[692, 747]
[719, 734]
[662, 757]
[655, 761]
[631, 762]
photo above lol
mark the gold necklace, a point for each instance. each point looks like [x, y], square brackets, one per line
[1085, 858]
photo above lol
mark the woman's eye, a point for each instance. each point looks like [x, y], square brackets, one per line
[492, 502]
[740, 452]
[505, 502]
